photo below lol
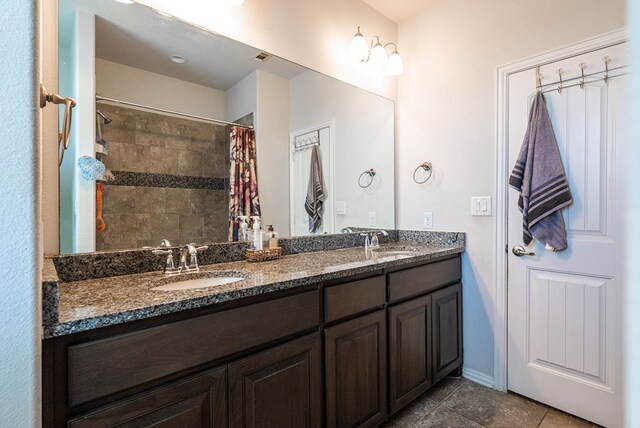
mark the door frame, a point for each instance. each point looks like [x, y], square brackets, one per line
[502, 186]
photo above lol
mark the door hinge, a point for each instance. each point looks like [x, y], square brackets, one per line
[506, 248]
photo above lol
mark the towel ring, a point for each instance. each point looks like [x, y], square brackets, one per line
[371, 173]
[427, 167]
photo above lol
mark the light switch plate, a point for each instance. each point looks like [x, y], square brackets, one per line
[372, 218]
[341, 207]
[481, 205]
[427, 220]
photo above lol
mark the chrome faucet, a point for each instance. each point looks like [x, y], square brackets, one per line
[188, 261]
[189, 257]
[346, 230]
[374, 237]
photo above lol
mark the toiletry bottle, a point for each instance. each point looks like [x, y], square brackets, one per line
[257, 233]
[273, 238]
[243, 234]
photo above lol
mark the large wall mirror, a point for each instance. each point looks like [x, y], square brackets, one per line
[190, 129]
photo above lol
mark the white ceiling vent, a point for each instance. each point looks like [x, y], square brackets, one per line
[262, 57]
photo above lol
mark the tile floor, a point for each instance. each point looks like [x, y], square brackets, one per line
[461, 403]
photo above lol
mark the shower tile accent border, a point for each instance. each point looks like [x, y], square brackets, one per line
[148, 179]
[78, 267]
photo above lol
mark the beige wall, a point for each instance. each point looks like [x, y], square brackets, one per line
[447, 115]
[313, 33]
[122, 82]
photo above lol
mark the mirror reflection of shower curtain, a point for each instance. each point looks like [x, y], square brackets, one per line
[301, 162]
[243, 178]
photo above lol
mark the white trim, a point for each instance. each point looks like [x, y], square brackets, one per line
[503, 73]
[478, 377]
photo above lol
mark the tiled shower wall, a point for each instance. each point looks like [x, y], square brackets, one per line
[171, 180]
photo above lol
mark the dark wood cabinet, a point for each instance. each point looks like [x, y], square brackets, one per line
[447, 330]
[278, 388]
[409, 351]
[344, 353]
[356, 371]
[199, 401]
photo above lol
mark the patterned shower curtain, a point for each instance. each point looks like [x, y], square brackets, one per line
[243, 195]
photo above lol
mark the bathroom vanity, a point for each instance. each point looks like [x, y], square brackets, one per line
[329, 338]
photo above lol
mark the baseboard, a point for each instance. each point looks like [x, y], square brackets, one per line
[477, 377]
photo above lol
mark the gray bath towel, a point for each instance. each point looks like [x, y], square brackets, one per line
[315, 191]
[539, 177]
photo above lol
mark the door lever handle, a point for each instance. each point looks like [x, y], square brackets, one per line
[519, 251]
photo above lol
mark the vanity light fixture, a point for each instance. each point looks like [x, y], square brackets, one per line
[125, 1]
[178, 59]
[234, 2]
[377, 55]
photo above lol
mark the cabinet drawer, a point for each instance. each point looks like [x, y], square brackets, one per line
[422, 279]
[100, 368]
[196, 402]
[353, 297]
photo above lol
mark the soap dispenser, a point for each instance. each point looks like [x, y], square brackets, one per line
[273, 238]
[257, 233]
[243, 235]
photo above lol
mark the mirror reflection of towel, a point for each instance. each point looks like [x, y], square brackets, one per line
[315, 191]
[539, 177]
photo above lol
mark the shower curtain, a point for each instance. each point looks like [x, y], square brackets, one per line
[243, 194]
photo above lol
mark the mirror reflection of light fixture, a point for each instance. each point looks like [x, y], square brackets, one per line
[377, 55]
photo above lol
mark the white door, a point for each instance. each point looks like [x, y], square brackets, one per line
[299, 178]
[565, 309]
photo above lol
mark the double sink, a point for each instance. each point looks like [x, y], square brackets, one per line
[193, 281]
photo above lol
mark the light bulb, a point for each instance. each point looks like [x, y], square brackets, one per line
[394, 64]
[234, 2]
[378, 56]
[359, 50]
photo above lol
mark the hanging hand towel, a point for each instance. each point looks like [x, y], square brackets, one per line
[315, 191]
[539, 177]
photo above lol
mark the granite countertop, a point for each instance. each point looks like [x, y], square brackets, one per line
[93, 303]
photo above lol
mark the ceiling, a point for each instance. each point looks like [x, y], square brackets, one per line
[139, 37]
[399, 10]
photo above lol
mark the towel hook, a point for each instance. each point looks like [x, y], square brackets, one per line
[559, 71]
[65, 134]
[606, 60]
[425, 166]
[371, 173]
[582, 65]
[538, 78]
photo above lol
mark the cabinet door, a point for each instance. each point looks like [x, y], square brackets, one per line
[195, 402]
[409, 351]
[356, 371]
[278, 388]
[447, 330]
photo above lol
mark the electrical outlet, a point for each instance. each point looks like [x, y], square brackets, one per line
[372, 218]
[341, 207]
[427, 220]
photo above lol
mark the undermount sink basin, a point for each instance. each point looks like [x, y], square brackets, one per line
[192, 281]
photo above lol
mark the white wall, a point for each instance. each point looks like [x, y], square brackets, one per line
[447, 115]
[20, 228]
[131, 84]
[632, 229]
[272, 145]
[364, 136]
[315, 34]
